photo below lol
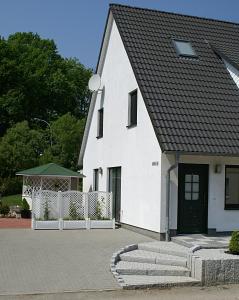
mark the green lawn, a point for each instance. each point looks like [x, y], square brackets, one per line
[12, 200]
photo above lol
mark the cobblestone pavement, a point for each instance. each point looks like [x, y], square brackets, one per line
[57, 261]
[206, 241]
[14, 223]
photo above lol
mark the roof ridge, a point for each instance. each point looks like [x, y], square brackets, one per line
[173, 13]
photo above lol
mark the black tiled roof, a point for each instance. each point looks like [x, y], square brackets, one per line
[193, 103]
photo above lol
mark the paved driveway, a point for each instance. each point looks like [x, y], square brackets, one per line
[57, 261]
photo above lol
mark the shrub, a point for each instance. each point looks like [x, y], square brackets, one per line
[10, 186]
[234, 243]
[25, 213]
[4, 210]
[25, 205]
[46, 211]
[73, 210]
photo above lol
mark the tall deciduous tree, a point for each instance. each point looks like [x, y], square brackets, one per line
[35, 81]
[67, 134]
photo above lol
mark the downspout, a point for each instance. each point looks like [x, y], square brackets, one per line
[174, 166]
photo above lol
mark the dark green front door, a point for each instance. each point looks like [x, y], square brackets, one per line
[192, 198]
[115, 187]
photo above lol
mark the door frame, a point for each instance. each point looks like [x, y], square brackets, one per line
[108, 189]
[179, 217]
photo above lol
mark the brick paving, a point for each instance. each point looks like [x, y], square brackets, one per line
[54, 261]
[14, 223]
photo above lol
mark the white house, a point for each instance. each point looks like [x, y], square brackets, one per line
[163, 133]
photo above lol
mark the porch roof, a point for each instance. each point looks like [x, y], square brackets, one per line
[50, 169]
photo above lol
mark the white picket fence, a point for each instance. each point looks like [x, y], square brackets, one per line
[71, 210]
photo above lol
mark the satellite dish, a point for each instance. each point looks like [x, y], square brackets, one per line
[94, 83]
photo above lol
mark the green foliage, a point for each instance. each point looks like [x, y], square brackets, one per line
[234, 243]
[25, 205]
[73, 210]
[67, 134]
[10, 186]
[19, 149]
[35, 81]
[99, 210]
[4, 210]
[46, 214]
[12, 200]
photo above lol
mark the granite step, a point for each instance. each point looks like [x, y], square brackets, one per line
[165, 248]
[144, 281]
[136, 268]
[143, 256]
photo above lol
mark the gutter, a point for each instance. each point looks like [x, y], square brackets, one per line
[174, 166]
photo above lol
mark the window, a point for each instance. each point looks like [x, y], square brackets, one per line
[191, 187]
[96, 180]
[184, 48]
[132, 115]
[100, 123]
[232, 187]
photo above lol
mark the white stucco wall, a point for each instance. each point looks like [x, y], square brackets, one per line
[133, 149]
[218, 218]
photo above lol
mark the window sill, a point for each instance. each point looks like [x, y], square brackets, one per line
[131, 126]
[99, 137]
[231, 207]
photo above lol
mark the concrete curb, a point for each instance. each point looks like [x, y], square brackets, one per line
[116, 258]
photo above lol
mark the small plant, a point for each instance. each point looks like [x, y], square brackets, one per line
[99, 208]
[25, 212]
[234, 243]
[4, 210]
[25, 205]
[73, 210]
[46, 210]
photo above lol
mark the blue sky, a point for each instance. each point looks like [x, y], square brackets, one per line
[77, 25]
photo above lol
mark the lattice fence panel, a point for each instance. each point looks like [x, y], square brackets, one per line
[74, 205]
[99, 205]
[31, 184]
[46, 205]
[55, 184]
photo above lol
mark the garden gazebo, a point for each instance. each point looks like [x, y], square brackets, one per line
[48, 177]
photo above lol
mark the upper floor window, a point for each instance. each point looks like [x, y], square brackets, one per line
[100, 123]
[232, 187]
[132, 108]
[184, 48]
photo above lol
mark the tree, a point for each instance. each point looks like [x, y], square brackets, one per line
[19, 149]
[67, 134]
[35, 81]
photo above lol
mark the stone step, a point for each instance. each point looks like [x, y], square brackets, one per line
[143, 256]
[135, 268]
[165, 248]
[144, 281]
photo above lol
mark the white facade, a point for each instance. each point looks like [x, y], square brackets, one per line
[137, 152]
[133, 149]
[218, 218]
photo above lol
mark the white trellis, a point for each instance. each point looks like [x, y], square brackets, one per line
[33, 184]
[72, 209]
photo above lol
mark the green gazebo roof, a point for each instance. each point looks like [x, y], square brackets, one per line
[50, 170]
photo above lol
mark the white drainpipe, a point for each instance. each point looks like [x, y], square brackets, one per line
[174, 166]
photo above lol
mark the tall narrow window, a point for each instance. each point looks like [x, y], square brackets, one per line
[96, 180]
[232, 187]
[100, 122]
[132, 109]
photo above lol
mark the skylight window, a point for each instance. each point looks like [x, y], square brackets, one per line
[184, 48]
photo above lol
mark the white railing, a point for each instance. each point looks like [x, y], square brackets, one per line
[71, 209]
